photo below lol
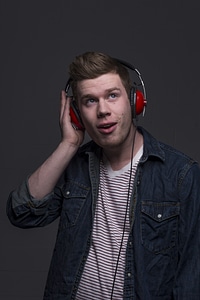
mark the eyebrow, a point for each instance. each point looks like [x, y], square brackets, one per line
[106, 91]
[113, 89]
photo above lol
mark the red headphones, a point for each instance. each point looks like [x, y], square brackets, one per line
[137, 97]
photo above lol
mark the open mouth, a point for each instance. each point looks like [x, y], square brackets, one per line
[107, 128]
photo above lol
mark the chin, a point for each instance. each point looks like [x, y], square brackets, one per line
[109, 143]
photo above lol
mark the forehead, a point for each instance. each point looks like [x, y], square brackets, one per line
[100, 84]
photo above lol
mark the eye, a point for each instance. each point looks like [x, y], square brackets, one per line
[90, 101]
[112, 96]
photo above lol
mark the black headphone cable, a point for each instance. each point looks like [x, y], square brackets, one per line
[125, 219]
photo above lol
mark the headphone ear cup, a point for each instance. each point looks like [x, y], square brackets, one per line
[75, 116]
[137, 102]
[140, 102]
[132, 102]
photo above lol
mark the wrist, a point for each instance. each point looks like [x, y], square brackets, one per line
[68, 147]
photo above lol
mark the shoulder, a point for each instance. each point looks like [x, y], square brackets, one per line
[166, 159]
[157, 148]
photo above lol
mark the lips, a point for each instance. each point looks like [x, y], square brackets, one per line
[107, 128]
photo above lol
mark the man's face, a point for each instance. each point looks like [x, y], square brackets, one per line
[105, 110]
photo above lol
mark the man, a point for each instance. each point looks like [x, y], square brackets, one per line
[129, 205]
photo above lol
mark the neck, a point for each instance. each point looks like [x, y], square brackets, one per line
[118, 158]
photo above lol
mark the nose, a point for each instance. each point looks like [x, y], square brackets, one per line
[103, 108]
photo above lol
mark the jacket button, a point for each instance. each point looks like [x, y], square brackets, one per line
[67, 193]
[159, 216]
[129, 274]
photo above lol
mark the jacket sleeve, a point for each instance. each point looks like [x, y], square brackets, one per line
[187, 284]
[26, 212]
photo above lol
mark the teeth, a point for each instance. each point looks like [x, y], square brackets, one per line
[106, 126]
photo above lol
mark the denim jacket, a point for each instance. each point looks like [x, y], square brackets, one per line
[163, 250]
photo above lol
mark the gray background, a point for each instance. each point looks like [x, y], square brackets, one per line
[38, 41]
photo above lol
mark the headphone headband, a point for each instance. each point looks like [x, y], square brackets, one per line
[131, 67]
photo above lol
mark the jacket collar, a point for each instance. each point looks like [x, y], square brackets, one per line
[152, 147]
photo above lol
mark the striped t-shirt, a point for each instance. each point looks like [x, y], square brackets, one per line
[110, 234]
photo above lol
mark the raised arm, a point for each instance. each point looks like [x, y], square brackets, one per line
[43, 180]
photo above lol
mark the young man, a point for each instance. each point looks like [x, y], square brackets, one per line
[129, 205]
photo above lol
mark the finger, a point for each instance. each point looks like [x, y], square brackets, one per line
[62, 104]
[65, 104]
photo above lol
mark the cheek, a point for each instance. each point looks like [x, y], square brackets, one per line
[126, 115]
[88, 123]
[85, 118]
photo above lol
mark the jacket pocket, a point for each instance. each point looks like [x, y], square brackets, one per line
[159, 225]
[74, 198]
